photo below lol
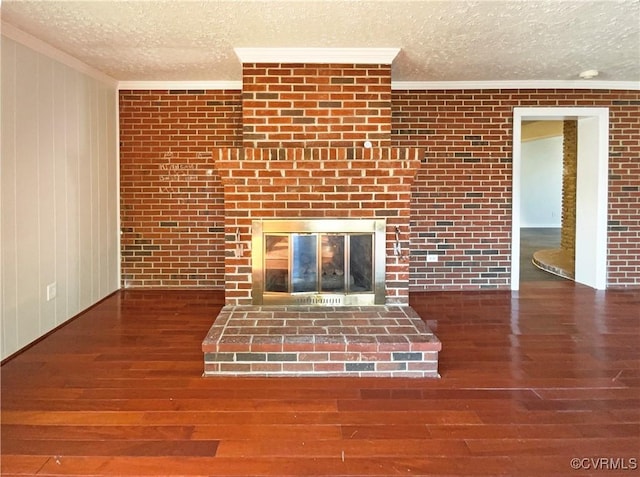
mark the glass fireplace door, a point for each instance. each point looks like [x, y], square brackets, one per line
[317, 267]
[276, 263]
[304, 265]
[327, 263]
[361, 263]
[333, 263]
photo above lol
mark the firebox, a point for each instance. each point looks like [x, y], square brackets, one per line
[318, 262]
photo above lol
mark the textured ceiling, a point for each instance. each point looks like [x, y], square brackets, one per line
[501, 40]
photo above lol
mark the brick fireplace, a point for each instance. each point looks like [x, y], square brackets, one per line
[316, 143]
[294, 183]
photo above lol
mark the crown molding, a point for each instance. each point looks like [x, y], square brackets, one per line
[185, 85]
[402, 85]
[533, 84]
[54, 53]
[364, 56]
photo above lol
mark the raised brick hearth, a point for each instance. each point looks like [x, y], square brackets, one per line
[390, 341]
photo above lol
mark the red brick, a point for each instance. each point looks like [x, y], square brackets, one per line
[438, 120]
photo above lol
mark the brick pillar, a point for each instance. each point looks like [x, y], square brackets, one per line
[569, 181]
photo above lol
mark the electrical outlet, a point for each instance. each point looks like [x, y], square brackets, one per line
[432, 258]
[52, 290]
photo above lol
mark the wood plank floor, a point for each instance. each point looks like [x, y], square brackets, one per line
[530, 381]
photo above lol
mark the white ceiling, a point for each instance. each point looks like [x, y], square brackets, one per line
[439, 41]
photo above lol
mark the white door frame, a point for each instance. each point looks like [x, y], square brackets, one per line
[591, 195]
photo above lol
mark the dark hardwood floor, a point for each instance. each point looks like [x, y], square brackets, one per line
[530, 381]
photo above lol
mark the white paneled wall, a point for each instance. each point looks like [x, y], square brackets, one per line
[59, 193]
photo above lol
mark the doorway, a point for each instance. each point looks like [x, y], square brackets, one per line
[543, 201]
[591, 197]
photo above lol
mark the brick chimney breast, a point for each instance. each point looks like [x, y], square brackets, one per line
[305, 127]
[316, 97]
[316, 105]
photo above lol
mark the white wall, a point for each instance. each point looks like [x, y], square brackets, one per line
[58, 192]
[541, 197]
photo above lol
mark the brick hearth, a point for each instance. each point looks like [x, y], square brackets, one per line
[385, 341]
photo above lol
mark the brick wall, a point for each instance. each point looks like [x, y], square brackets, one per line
[461, 196]
[623, 233]
[171, 209]
[308, 105]
[461, 203]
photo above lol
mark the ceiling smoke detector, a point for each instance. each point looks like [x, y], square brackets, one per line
[588, 74]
